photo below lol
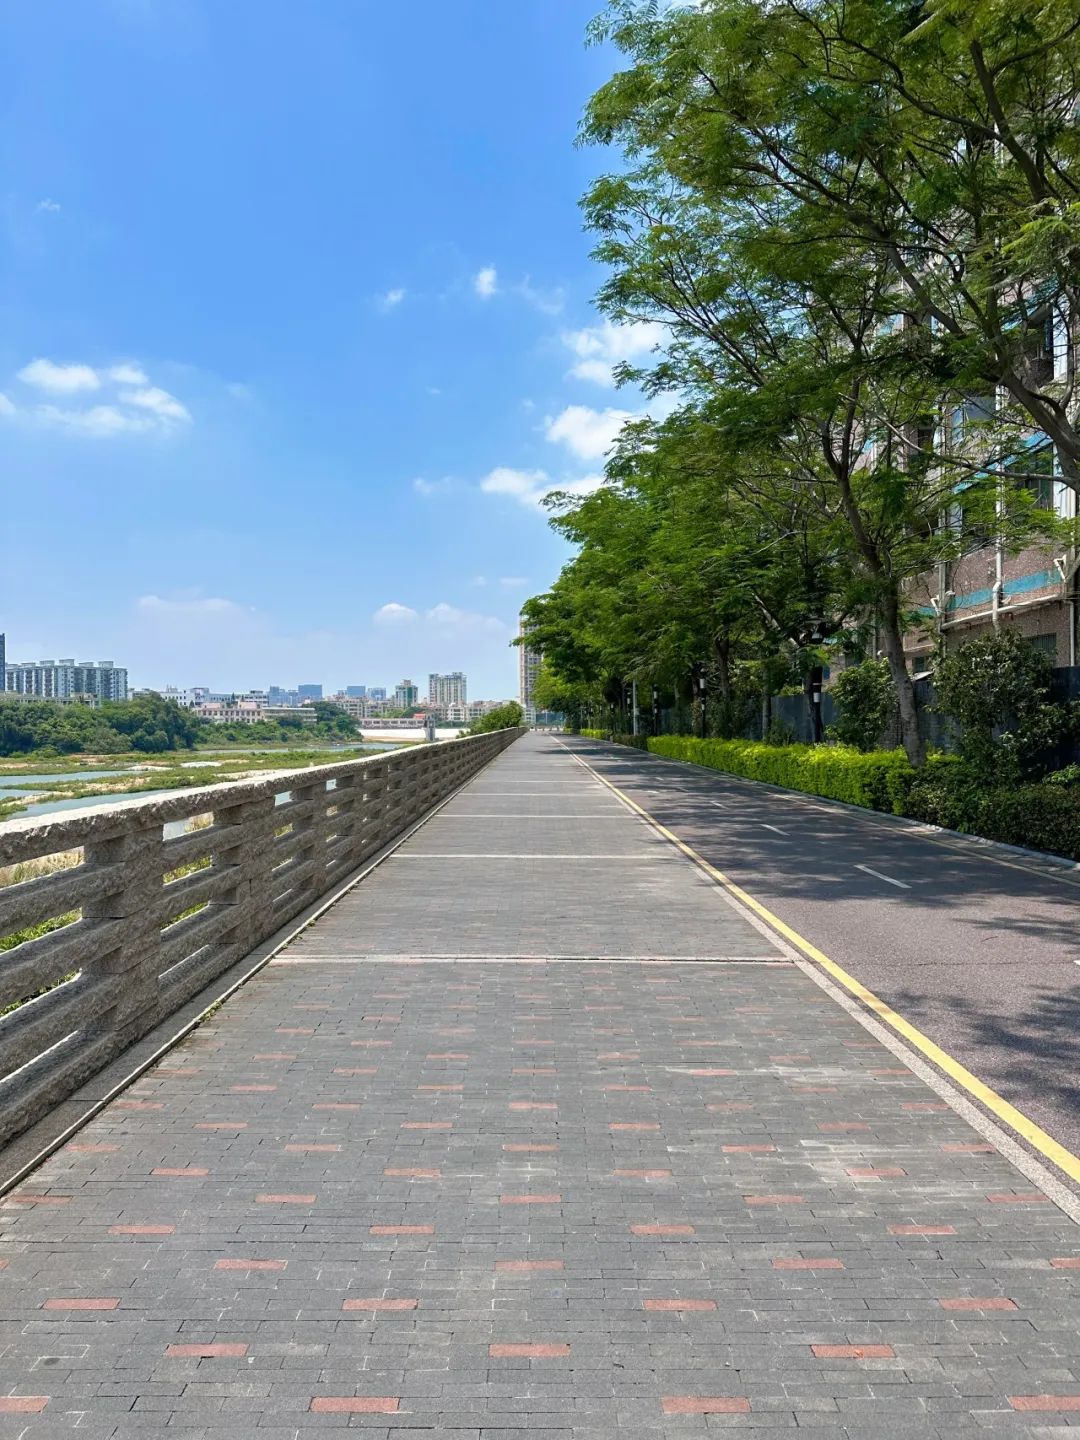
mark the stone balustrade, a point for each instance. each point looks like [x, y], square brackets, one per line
[151, 907]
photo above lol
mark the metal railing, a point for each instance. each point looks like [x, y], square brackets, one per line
[145, 908]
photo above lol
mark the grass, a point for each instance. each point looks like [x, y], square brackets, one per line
[156, 773]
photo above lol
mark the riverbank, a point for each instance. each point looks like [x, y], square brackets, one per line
[45, 785]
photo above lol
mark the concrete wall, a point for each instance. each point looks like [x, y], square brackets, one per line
[271, 847]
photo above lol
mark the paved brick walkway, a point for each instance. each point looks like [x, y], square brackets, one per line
[567, 1195]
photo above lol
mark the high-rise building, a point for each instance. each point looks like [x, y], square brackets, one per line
[528, 670]
[376, 692]
[356, 692]
[64, 679]
[309, 692]
[3, 661]
[406, 694]
[447, 689]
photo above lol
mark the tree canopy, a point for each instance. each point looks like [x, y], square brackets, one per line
[857, 223]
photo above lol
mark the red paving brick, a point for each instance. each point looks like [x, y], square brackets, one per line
[705, 1405]
[853, 1352]
[224, 1350]
[563, 1310]
[528, 1351]
[354, 1405]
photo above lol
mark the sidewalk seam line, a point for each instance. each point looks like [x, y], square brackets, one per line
[272, 946]
[815, 960]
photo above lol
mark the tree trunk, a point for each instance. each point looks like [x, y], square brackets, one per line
[892, 636]
[722, 656]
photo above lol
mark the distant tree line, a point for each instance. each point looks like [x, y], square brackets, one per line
[148, 724]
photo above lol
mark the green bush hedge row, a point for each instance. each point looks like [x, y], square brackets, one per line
[639, 742]
[1039, 817]
[878, 780]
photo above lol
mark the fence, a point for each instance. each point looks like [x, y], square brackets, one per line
[143, 909]
[790, 718]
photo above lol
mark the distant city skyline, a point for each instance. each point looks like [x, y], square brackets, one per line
[265, 435]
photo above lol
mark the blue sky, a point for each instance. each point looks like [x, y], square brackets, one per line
[295, 326]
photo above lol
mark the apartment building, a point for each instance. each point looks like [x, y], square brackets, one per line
[528, 670]
[65, 679]
[1035, 590]
[451, 689]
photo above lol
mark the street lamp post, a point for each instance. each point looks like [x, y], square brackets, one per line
[655, 710]
[702, 696]
[817, 680]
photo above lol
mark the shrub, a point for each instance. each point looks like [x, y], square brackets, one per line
[865, 701]
[997, 690]
[780, 733]
[639, 742]
[880, 780]
[1038, 817]
[945, 792]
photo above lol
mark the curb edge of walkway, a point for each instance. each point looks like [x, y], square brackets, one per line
[220, 990]
[887, 1026]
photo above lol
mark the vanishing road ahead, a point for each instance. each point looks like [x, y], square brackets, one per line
[536, 1132]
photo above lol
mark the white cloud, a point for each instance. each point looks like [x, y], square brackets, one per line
[190, 605]
[59, 379]
[394, 614]
[479, 581]
[159, 402]
[52, 207]
[128, 374]
[134, 406]
[486, 282]
[391, 298]
[432, 487]
[450, 617]
[99, 422]
[513, 582]
[433, 390]
[548, 302]
[599, 347]
[529, 487]
[6, 407]
[588, 433]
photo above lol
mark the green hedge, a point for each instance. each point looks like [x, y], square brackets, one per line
[878, 780]
[639, 742]
[1037, 817]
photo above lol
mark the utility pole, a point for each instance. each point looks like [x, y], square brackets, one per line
[633, 708]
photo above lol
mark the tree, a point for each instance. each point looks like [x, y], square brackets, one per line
[865, 703]
[997, 690]
[504, 717]
[791, 321]
[937, 136]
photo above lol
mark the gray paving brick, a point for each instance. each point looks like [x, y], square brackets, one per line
[345, 1046]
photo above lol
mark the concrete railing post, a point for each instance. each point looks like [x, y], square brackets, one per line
[245, 845]
[135, 858]
[123, 948]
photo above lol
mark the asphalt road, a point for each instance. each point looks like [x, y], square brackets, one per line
[980, 953]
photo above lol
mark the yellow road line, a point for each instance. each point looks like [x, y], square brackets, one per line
[1008, 1114]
